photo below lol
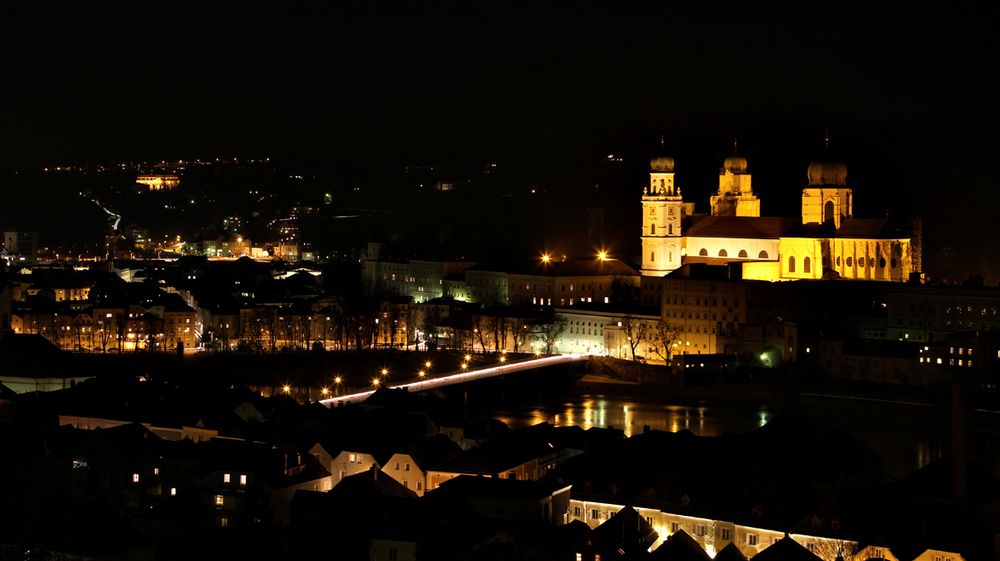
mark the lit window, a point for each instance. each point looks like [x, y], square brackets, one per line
[243, 480]
[135, 478]
[579, 557]
[219, 500]
[226, 478]
[156, 471]
[173, 491]
[406, 467]
[751, 539]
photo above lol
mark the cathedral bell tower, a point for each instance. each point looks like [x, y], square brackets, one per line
[827, 198]
[661, 219]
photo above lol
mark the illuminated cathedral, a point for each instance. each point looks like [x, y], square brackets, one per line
[828, 242]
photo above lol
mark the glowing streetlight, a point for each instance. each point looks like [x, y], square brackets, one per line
[602, 255]
[338, 380]
[286, 388]
[503, 358]
[375, 382]
[325, 391]
[427, 364]
[465, 366]
[546, 258]
[385, 371]
[468, 358]
[421, 373]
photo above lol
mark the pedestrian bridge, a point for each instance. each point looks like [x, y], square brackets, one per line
[462, 377]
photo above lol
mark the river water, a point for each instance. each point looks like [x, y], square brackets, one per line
[905, 441]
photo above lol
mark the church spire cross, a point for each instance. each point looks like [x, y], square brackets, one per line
[826, 138]
[736, 145]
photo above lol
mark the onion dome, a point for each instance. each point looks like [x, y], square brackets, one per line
[663, 164]
[827, 173]
[735, 164]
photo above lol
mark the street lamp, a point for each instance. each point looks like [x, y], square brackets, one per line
[385, 371]
[546, 258]
[602, 255]
[286, 388]
[421, 373]
[375, 382]
[427, 364]
[465, 366]
[468, 358]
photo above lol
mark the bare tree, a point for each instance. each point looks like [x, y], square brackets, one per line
[550, 333]
[481, 326]
[666, 335]
[635, 330]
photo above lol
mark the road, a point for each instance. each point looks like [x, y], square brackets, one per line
[461, 377]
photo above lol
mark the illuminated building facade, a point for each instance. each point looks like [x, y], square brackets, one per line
[828, 241]
[159, 182]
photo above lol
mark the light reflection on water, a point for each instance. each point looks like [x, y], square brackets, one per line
[632, 418]
[903, 448]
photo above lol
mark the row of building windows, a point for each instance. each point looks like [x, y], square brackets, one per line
[742, 254]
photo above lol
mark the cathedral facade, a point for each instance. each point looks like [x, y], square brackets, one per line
[827, 242]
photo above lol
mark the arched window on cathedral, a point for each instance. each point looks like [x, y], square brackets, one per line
[791, 264]
[652, 229]
[828, 211]
[762, 254]
[850, 261]
[652, 256]
[723, 253]
[881, 263]
[806, 265]
[743, 254]
[670, 229]
[703, 252]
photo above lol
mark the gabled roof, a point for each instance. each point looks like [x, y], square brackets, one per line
[754, 227]
[628, 530]
[786, 549]
[367, 484]
[681, 547]
[465, 486]
[730, 553]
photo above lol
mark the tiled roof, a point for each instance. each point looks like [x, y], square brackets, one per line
[763, 227]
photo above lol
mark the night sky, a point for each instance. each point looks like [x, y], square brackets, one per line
[904, 93]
